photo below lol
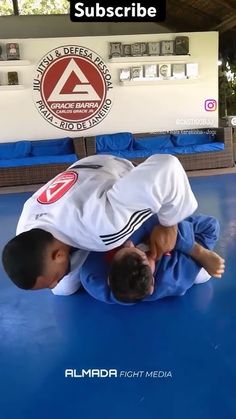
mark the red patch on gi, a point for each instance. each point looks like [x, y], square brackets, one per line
[57, 189]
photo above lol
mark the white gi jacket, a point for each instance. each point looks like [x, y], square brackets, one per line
[99, 201]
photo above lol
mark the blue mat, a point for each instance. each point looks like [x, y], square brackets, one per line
[190, 338]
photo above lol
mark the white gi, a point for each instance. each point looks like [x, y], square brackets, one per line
[101, 200]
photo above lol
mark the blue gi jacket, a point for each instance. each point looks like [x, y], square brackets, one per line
[174, 274]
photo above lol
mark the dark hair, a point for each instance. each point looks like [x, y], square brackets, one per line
[23, 256]
[130, 279]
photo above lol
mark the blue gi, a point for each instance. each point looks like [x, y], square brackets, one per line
[174, 274]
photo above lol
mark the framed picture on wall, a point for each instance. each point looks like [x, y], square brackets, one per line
[150, 71]
[153, 48]
[12, 78]
[192, 70]
[167, 47]
[1, 58]
[126, 49]
[144, 48]
[13, 52]
[124, 74]
[136, 49]
[164, 71]
[115, 49]
[178, 71]
[137, 72]
[182, 45]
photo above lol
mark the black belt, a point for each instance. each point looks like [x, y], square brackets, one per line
[86, 166]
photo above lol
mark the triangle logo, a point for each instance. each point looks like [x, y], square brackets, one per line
[80, 90]
[58, 188]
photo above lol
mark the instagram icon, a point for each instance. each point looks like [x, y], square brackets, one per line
[210, 105]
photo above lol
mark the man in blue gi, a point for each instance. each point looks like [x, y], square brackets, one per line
[129, 274]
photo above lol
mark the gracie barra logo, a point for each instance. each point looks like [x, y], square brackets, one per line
[72, 88]
[57, 189]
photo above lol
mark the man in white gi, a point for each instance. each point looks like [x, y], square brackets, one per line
[95, 205]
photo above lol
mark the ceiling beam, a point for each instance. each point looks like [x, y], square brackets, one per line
[180, 25]
[227, 24]
[229, 4]
[192, 10]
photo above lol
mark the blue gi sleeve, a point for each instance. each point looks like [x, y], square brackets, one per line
[176, 273]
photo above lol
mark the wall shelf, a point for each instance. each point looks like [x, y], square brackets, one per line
[12, 87]
[156, 80]
[143, 58]
[15, 63]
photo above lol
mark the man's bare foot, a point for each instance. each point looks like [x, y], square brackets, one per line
[211, 261]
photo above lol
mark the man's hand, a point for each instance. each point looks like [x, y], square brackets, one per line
[162, 240]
